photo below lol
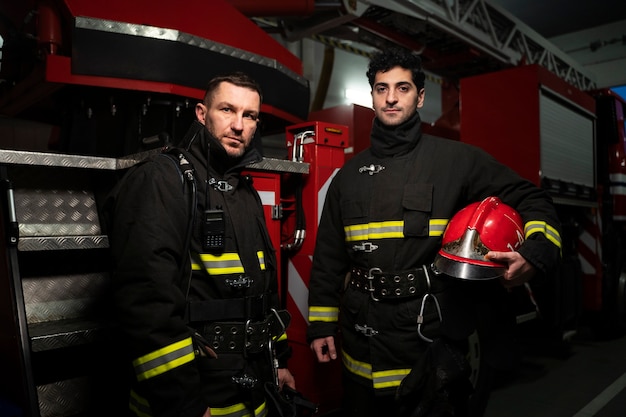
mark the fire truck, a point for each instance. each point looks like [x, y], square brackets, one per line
[88, 90]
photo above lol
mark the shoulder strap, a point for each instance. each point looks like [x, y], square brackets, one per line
[185, 167]
[186, 172]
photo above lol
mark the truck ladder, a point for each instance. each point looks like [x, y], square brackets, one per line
[491, 30]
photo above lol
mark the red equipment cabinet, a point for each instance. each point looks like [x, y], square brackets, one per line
[267, 184]
[512, 114]
[321, 145]
[546, 130]
[359, 120]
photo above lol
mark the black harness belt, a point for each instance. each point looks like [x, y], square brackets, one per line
[236, 325]
[394, 285]
[237, 337]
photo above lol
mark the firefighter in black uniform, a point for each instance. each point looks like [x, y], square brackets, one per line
[382, 224]
[195, 285]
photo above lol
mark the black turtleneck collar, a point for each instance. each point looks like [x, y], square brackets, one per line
[220, 161]
[390, 141]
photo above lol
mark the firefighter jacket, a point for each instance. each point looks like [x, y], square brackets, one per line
[165, 294]
[386, 209]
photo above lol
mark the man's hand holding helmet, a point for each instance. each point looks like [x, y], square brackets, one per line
[518, 270]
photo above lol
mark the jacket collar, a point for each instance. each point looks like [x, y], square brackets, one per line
[198, 138]
[390, 141]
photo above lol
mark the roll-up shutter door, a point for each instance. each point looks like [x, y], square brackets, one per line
[567, 142]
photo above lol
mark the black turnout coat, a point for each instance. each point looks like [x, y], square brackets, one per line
[154, 271]
[414, 183]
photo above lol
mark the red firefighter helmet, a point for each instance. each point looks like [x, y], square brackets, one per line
[474, 231]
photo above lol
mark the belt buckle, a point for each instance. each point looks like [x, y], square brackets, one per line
[370, 279]
[247, 331]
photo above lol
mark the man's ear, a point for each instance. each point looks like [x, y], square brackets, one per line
[201, 111]
[420, 98]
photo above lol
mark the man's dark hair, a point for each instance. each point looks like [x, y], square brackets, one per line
[240, 79]
[385, 60]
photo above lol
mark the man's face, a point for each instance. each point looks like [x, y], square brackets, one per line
[231, 116]
[395, 97]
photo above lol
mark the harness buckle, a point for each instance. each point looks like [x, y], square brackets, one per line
[240, 282]
[245, 381]
[366, 330]
[370, 281]
[220, 185]
[365, 247]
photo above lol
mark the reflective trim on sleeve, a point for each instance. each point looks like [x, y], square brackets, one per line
[389, 230]
[328, 314]
[380, 379]
[536, 226]
[139, 405]
[164, 359]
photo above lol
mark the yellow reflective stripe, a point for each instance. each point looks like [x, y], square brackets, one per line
[261, 411]
[224, 263]
[239, 410]
[389, 230]
[356, 232]
[536, 226]
[164, 359]
[328, 314]
[375, 230]
[282, 337]
[437, 227]
[139, 405]
[261, 257]
[361, 369]
[391, 378]
[380, 379]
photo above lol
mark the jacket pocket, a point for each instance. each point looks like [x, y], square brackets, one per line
[417, 203]
[352, 210]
